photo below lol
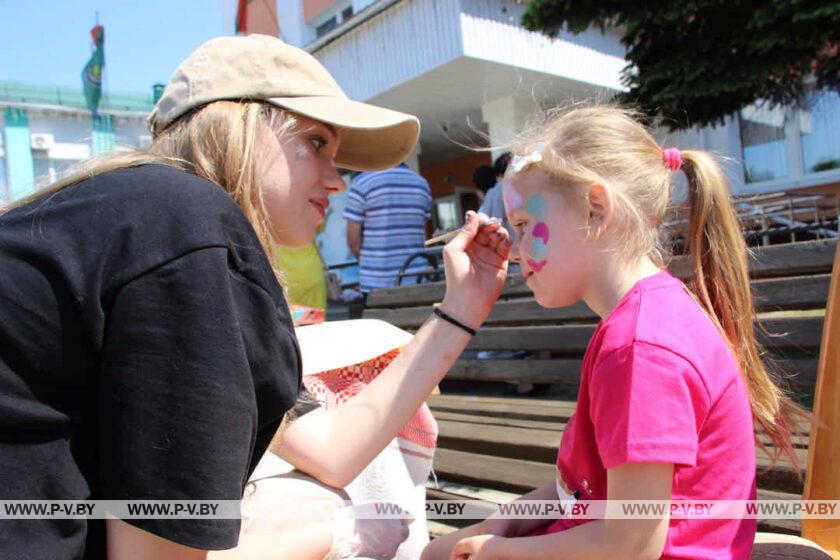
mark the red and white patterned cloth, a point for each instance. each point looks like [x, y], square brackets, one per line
[337, 386]
[399, 473]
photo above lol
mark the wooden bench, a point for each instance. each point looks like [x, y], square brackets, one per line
[494, 448]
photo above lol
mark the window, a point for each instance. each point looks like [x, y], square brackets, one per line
[448, 211]
[445, 214]
[44, 175]
[763, 142]
[326, 27]
[791, 142]
[339, 12]
[820, 130]
[47, 169]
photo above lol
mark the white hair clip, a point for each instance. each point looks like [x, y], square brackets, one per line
[519, 162]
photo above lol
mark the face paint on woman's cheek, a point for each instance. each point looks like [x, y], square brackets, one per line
[301, 152]
[538, 256]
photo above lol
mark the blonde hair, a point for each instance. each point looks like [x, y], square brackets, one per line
[216, 142]
[607, 145]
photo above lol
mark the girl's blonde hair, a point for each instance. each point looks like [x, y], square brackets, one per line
[216, 142]
[607, 145]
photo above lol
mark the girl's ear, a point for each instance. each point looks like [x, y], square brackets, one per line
[600, 201]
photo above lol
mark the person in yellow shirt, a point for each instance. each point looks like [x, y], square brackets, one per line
[305, 280]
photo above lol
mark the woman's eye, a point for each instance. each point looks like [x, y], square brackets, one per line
[318, 142]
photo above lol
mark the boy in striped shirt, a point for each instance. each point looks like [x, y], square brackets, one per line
[387, 213]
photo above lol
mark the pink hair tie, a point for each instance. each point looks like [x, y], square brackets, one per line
[672, 158]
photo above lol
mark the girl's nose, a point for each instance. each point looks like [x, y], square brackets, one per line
[514, 250]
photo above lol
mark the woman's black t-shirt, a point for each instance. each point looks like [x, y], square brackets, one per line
[146, 352]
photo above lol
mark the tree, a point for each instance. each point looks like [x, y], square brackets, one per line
[695, 62]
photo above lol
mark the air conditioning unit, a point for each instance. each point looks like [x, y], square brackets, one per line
[42, 141]
[145, 141]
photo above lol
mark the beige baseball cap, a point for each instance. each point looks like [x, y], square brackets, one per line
[260, 67]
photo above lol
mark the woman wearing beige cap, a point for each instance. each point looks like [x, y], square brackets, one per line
[146, 351]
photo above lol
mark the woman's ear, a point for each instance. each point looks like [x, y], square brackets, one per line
[601, 205]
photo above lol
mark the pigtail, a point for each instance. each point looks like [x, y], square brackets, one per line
[720, 280]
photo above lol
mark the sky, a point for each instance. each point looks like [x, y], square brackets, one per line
[48, 42]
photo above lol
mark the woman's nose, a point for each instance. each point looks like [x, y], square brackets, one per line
[335, 184]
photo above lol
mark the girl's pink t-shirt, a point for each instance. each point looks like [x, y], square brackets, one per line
[659, 384]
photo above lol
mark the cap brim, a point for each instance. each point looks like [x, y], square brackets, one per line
[372, 138]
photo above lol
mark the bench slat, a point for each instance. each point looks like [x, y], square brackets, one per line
[808, 292]
[484, 436]
[512, 407]
[481, 420]
[499, 473]
[524, 412]
[799, 372]
[478, 421]
[790, 259]
[800, 292]
[500, 441]
[522, 476]
[790, 333]
[536, 371]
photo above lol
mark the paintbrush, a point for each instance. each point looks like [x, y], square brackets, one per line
[447, 237]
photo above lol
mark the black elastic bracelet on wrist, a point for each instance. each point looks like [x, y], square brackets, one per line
[455, 322]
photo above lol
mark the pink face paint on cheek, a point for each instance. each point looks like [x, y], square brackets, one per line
[540, 231]
[536, 266]
[539, 247]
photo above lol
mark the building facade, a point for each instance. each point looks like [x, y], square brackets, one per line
[44, 130]
[468, 70]
[471, 73]
[474, 76]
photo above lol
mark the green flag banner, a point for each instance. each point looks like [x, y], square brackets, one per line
[92, 73]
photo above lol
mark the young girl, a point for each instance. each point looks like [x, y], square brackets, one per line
[672, 379]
